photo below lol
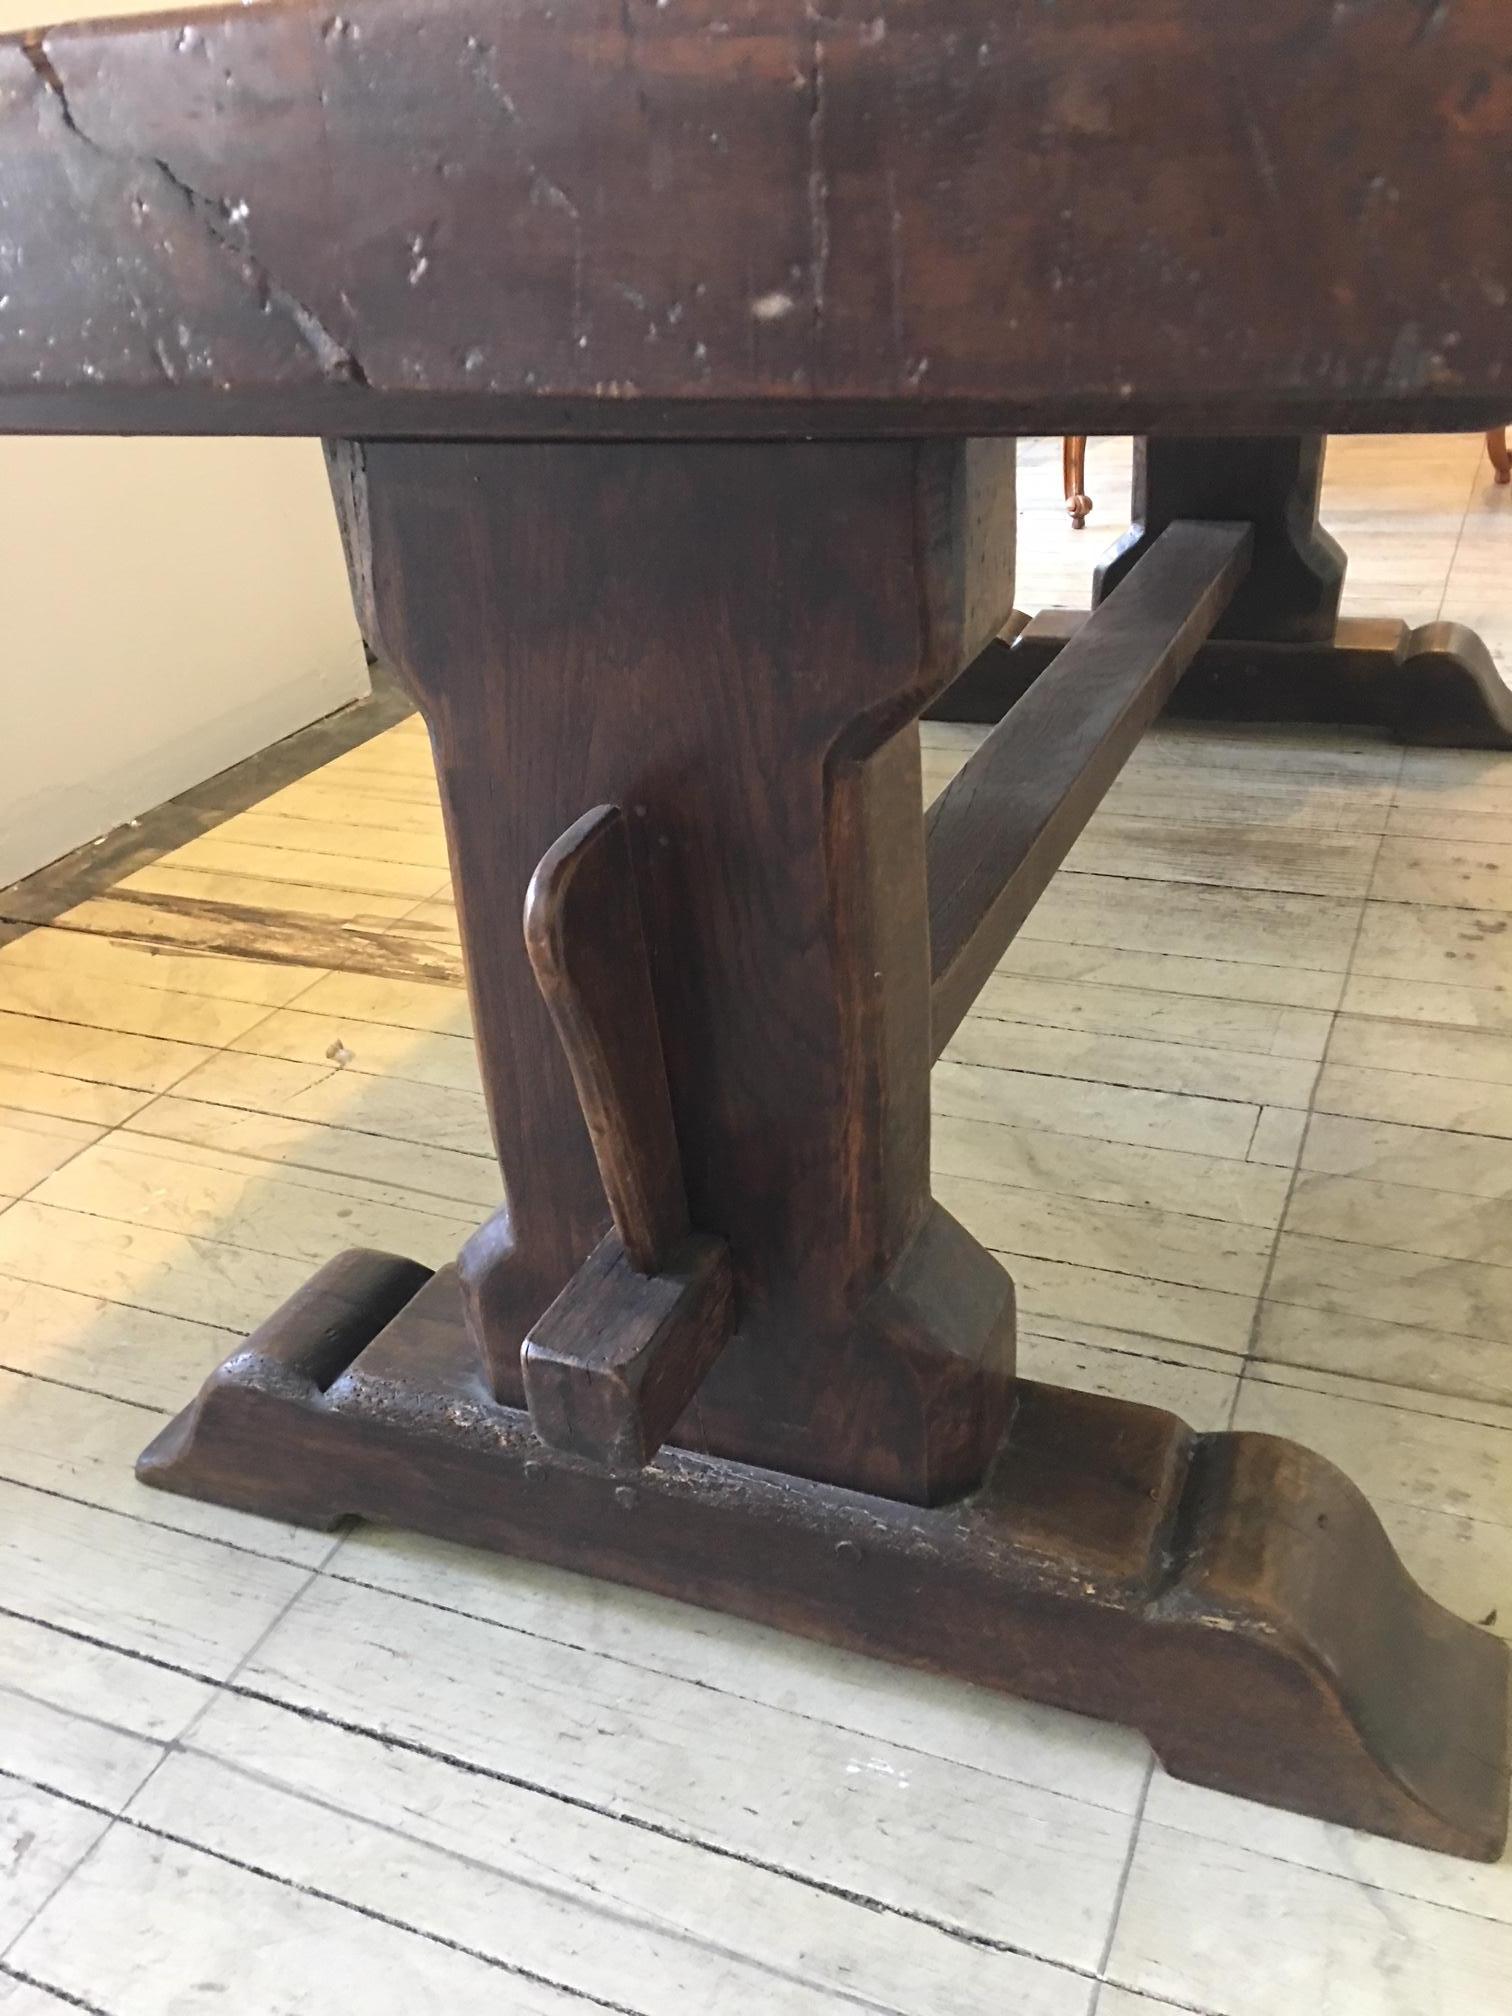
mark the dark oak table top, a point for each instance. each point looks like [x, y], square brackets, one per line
[542, 218]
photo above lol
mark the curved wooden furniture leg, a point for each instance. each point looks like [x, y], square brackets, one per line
[1074, 477]
[1501, 459]
[1281, 653]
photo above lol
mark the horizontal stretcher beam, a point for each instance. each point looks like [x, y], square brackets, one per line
[1002, 827]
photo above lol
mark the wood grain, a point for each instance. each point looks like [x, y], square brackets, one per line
[659, 221]
[1000, 830]
[1296, 575]
[617, 1359]
[733, 648]
[1230, 1595]
[588, 952]
[319, 1793]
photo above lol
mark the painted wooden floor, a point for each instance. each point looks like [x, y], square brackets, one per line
[1237, 1111]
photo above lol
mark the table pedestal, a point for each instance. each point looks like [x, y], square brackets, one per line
[1281, 653]
[713, 1126]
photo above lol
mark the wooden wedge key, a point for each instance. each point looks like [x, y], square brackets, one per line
[616, 1358]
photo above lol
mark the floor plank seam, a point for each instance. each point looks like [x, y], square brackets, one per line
[880, 1908]
[1250, 1355]
[373, 1915]
[1159, 2000]
[391, 1740]
[1124, 1874]
[128, 1035]
[1261, 1366]
[142, 1519]
[213, 1694]
[124, 1818]
[333, 1573]
[77, 1799]
[98, 1644]
[1117, 1035]
[124, 1301]
[1008, 1254]
[210, 875]
[128, 1126]
[597, 1907]
[1459, 538]
[134, 1224]
[206, 1238]
[145, 1144]
[82, 1148]
[1140, 1357]
[1351, 1877]
[81, 1715]
[67, 1875]
[1116, 1084]
[100, 1392]
[50, 1988]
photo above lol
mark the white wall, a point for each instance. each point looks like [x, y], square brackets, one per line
[166, 608]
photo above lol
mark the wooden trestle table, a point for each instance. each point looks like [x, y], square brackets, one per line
[670, 355]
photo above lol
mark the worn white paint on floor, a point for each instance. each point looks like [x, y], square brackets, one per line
[1236, 1110]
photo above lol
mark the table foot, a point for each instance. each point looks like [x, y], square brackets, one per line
[1074, 473]
[1231, 1596]
[1436, 685]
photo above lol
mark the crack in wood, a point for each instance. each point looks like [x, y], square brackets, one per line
[214, 214]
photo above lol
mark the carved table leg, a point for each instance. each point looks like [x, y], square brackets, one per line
[1281, 653]
[719, 654]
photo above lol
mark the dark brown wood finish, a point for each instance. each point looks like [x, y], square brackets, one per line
[1231, 1596]
[605, 216]
[1279, 652]
[619, 1355]
[1297, 574]
[707, 305]
[733, 648]
[587, 948]
[1006, 821]
[1436, 684]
